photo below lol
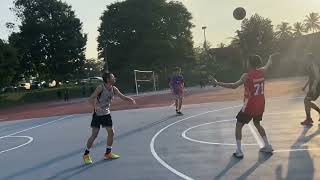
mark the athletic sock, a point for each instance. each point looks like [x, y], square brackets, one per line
[265, 139]
[87, 152]
[108, 149]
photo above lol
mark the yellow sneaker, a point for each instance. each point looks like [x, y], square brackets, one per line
[111, 155]
[87, 159]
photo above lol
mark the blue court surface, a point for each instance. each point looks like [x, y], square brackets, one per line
[156, 144]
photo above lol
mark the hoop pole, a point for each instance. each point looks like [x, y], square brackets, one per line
[154, 81]
[135, 80]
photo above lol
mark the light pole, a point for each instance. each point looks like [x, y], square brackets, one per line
[106, 68]
[86, 70]
[204, 35]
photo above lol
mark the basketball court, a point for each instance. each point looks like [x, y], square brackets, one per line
[154, 143]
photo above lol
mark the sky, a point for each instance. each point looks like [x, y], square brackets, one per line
[215, 14]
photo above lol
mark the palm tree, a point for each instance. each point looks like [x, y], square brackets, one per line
[284, 31]
[298, 29]
[312, 22]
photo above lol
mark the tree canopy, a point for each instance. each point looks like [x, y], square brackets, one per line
[50, 39]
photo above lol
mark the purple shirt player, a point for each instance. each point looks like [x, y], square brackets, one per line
[177, 84]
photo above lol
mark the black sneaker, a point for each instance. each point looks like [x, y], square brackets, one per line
[238, 155]
[179, 113]
[307, 123]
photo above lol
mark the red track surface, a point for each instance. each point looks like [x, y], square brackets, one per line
[274, 88]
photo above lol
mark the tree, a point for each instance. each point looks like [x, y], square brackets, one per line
[312, 22]
[298, 29]
[8, 63]
[235, 42]
[50, 39]
[255, 37]
[145, 34]
[283, 31]
[93, 67]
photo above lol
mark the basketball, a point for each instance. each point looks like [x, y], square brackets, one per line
[239, 13]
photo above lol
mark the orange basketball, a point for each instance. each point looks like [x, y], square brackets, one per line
[239, 13]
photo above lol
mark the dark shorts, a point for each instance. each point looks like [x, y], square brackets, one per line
[98, 121]
[245, 118]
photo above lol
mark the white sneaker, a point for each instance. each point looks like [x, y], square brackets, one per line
[267, 149]
[238, 154]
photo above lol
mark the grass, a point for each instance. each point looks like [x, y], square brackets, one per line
[42, 95]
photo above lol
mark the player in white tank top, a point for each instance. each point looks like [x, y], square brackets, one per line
[100, 101]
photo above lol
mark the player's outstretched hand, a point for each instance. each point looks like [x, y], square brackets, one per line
[133, 101]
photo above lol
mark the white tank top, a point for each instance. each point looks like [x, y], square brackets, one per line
[104, 101]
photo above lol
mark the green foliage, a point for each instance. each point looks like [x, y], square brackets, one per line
[312, 22]
[298, 29]
[50, 41]
[284, 31]
[8, 63]
[92, 67]
[146, 35]
[256, 36]
[42, 95]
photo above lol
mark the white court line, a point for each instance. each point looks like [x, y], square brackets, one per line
[33, 127]
[296, 150]
[167, 166]
[12, 135]
[163, 163]
[184, 134]
[28, 137]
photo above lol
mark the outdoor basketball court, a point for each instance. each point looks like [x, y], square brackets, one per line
[156, 144]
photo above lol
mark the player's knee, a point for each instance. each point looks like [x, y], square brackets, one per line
[239, 125]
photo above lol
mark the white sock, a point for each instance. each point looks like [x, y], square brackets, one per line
[238, 145]
[265, 139]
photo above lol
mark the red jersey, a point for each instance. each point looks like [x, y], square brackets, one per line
[254, 100]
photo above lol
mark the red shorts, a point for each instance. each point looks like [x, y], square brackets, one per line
[253, 106]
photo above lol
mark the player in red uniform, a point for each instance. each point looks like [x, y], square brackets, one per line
[254, 101]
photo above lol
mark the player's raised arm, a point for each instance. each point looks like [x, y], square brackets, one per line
[229, 85]
[315, 71]
[269, 63]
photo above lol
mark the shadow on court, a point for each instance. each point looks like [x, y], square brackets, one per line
[81, 168]
[148, 126]
[233, 161]
[263, 157]
[300, 165]
[76, 170]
